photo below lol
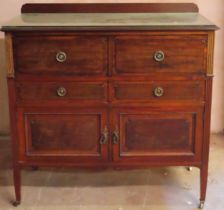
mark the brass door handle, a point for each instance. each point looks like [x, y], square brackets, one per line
[115, 136]
[159, 56]
[104, 136]
[158, 91]
[61, 57]
[61, 92]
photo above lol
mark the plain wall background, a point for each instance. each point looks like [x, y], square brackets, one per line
[212, 9]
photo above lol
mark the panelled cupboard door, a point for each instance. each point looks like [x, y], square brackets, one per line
[160, 136]
[79, 135]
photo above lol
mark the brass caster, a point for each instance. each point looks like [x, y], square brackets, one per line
[189, 168]
[201, 205]
[16, 203]
[35, 168]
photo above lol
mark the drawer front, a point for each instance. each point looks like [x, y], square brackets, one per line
[66, 55]
[147, 54]
[31, 91]
[144, 134]
[159, 91]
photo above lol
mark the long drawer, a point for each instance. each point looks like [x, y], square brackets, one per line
[158, 91]
[35, 91]
[160, 53]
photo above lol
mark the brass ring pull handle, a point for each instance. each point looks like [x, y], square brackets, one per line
[115, 136]
[159, 56]
[61, 57]
[61, 92]
[104, 136]
[158, 91]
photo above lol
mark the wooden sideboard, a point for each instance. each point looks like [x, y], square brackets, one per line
[110, 85]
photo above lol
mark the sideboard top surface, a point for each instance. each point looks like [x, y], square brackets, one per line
[110, 16]
[108, 21]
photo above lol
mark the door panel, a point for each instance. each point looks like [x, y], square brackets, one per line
[52, 132]
[75, 133]
[146, 133]
[156, 133]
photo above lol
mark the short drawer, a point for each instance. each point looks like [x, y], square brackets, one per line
[159, 90]
[63, 55]
[167, 53]
[31, 91]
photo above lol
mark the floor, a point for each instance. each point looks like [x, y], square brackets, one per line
[172, 188]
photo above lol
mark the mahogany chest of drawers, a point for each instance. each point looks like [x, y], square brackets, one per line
[119, 86]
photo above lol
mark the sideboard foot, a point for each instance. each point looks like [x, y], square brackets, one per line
[16, 203]
[17, 184]
[203, 180]
[201, 205]
[189, 168]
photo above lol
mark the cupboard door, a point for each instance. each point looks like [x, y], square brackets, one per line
[76, 134]
[164, 135]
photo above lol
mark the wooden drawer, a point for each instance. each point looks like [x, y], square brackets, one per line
[159, 90]
[27, 91]
[66, 55]
[164, 53]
